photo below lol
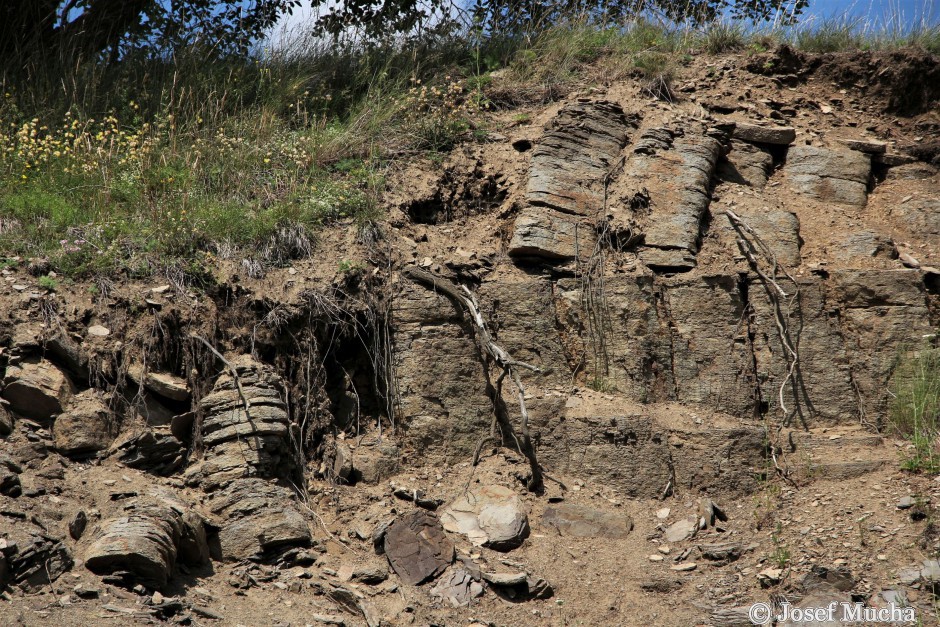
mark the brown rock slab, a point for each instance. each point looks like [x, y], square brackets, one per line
[36, 390]
[86, 427]
[417, 548]
[680, 530]
[585, 522]
[758, 134]
[551, 234]
[491, 516]
[829, 175]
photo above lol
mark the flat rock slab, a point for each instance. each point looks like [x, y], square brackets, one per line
[417, 547]
[680, 530]
[829, 175]
[757, 134]
[37, 389]
[585, 522]
[491, 516]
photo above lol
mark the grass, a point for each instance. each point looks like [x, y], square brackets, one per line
[124, 168]
[915, 408]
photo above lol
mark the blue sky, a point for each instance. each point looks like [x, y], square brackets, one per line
[875, 13]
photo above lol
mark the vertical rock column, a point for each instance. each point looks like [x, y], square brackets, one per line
[567, 179]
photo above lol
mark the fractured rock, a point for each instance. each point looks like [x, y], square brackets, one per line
[85, 427]
[260, 518]
[243, 441]
[580, 521]
[143, 543]
[746, 164]
[551, 234]
[491, 516]
[573, 157]
[6, 421]
[36, 390]
[10, 476]
[457, 588]
[161, 383]
[829, 175]
[677, 179]
[566, 181]
[151, 450]
[417, 547]
[40, 560]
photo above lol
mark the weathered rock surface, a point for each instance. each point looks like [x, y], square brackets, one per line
[829, 175]
[259, 518]
[85, 427]
[551, 234]
[10, 472]
[144, 543]
[6, 420]
[35, 559]
[161, 383]
[491, 516]
[156, 451]
[919, 215]
[567, 177]
[586, 522]
[417, 548]
[571, 160]
[457, 588]
[676, 173]
[36, 389]
[746, 164]
[778, 228]
[757, 134]
[243, 437]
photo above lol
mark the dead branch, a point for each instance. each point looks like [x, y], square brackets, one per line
[465, 298]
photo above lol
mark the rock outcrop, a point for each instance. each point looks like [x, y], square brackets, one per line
[257, 519]
[245, 429]
[570, 170]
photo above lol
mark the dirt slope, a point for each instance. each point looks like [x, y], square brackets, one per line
[704, 302]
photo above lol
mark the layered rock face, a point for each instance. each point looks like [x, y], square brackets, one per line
[245, 429]
[570, 171]
[700, 310]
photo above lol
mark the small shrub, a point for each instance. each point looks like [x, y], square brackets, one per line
[915, 407]
[724, 37]
[48, 283]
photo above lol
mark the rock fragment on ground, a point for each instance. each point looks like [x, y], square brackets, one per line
[417, 548]
[491, 516]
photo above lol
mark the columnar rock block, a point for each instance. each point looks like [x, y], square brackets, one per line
[260, 517]
[711, 352]
[570, 168]
[143, 543]
[243, 436]
[839, 176]
[675, 170]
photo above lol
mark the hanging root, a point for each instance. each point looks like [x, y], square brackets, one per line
[468, 302]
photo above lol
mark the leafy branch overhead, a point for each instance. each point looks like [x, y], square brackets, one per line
[47, 29]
